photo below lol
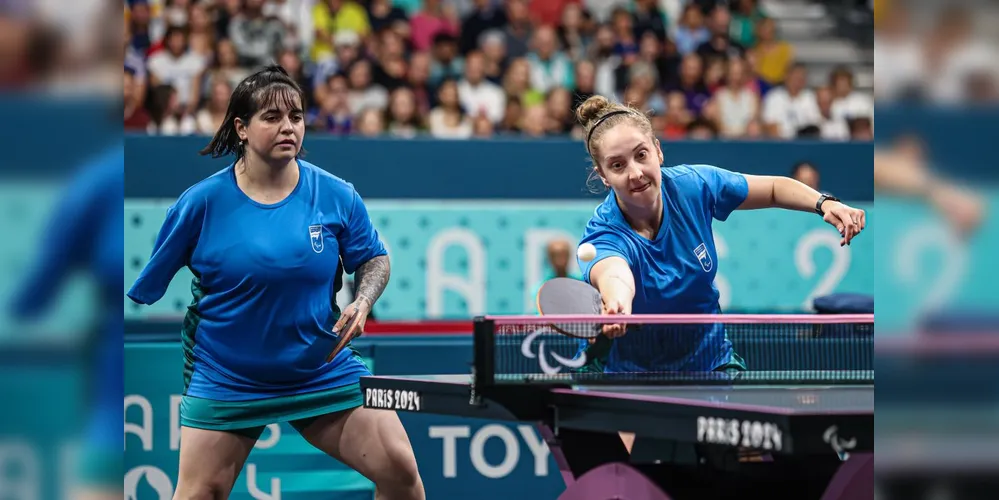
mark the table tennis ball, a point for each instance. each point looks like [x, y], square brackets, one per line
[586, 252]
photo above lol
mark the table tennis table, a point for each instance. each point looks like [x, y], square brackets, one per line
[711, 441]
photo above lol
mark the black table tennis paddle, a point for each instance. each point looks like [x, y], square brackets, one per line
[567, 296]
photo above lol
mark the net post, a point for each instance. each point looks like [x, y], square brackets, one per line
[483, 356]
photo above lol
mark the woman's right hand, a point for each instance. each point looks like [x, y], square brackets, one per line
[614, 306]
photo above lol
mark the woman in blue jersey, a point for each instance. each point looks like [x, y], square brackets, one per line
[655, 247]
[266, 239]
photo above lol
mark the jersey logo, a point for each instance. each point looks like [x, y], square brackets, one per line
[316, 235]
[704, 257]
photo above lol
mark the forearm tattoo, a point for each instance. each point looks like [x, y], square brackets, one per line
[372, 277]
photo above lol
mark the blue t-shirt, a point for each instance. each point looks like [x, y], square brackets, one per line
[89, 223]
[674, 273]
[261, 321]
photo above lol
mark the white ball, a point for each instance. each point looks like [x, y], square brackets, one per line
[586, 252]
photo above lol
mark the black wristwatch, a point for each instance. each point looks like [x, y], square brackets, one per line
[823, 199]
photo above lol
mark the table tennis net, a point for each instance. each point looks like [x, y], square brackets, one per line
[677, 350]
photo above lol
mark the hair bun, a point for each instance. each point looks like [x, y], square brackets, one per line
[592, 109]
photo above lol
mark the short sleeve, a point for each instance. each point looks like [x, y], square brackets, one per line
[725, 190]
[172, 251]
[359, 241]
[608, 241]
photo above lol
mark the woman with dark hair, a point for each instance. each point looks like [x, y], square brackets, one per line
[267, 239]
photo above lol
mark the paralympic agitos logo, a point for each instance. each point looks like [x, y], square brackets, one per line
[542, 355]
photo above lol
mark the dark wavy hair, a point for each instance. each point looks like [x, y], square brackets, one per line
[270, 86]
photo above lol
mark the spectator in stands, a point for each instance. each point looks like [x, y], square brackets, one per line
[773, 56]
[210, 117]
[601, 52]
[482, 128]
[364, 93]
[138, 23]
[736, 103]
[382, 15]
[448, 120]
[559, 257]
[829, 128]
[806, 173]
[347, 44]
[136, 116]
[517, 83]
[790, 107]
[572, 34]
[701, 130]
[643, 78]
[256, 37]
[512, 116]
[847, 103]
[485, 16]
[714, 74]
[548, 12]
[861, 129]
[225, 66]
[534, 122]
[559, 111]
[585, 80]
[331, 17]
[430, 22]
[417, 79]
[177, 67]
[625, 38]
[493, 44]
[663, 58]
[169, 115]
[369, 123]
[691, 32]
[402, 118]
[691, 83]
[479, 96]
[647, 17]
[550, 67]
[201, 35]
[334, 115]
[518, 29]
[678, 115]
[745, 17]
[292, 63]
[447, 64]
[720, 45]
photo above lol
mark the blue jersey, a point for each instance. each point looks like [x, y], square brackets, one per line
[674, 273]
[261, 321]
[89, 223]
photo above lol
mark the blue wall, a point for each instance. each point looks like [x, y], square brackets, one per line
[161, 167]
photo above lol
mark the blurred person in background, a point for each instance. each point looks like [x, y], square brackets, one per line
[601, 53]
[548, 12]
[533, 125]
[517, 83]
[448, 120]
[691, 32]
[720, 45]
[136, 116]
[848, 103]
[446, 63]
[678, 116]
[402, 117]
[479, 96]
[550, 67]
[774, 57]
[649, 18]
[333, 115]
[735, 102]
[224, 66]
[572, 32]
[519, 29]
[643, 78]
[829, 127]
[861, 129]
[585, 79]
[958, 66]
[898, 52]
[169, 115]
[256, 37]
[806, 173]
[482, 128]
[331, 17]
[432, 20]
[201, 35]
[210, 117]
[745, 15]
[559, 111]
[558, 253]
[702, 129]
[625, 38]
[364, 93]
[177, 66]
[662, 56]
[348, 50]
[417, 79]
[493, 46]
[714, 74]
[512, 116]
[370, 123]
[382, 15]
[691, 83]
[791, 107]
[292, 63]
[486, 16]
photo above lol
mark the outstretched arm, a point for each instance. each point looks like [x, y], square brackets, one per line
[787, 193]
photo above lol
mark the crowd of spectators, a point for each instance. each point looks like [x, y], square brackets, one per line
[482, 68]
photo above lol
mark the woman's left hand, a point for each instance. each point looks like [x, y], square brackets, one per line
[847, 220]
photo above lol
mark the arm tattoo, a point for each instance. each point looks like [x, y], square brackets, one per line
[372, 276]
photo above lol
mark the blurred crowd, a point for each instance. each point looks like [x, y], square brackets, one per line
[481, 68]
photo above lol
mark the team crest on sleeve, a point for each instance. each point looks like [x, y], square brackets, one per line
[316, 235]
[704, 257]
